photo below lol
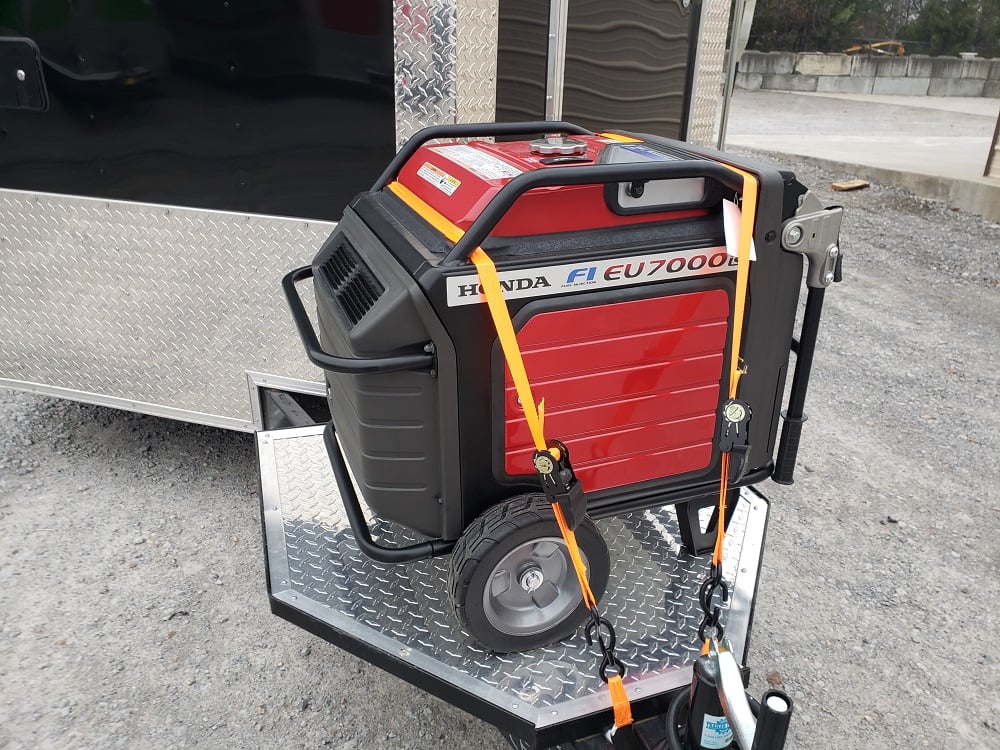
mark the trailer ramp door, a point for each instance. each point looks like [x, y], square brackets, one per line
[397, 616]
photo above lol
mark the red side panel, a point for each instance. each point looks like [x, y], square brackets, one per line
[631, 387]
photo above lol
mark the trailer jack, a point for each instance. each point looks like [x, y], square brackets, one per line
[717, 710]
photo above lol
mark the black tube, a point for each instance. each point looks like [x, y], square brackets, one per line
[356, 517]
[773, 720]
[332, 362]
[794, 415]
[471, 130]
[598, 174]
[673, 736]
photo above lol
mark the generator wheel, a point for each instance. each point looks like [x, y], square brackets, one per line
[511, 580]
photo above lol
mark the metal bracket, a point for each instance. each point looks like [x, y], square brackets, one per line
[22, 82]
[814, 232]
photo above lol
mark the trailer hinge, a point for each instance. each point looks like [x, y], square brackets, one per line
[814, 232]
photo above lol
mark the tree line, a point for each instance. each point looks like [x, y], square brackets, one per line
[931, 27]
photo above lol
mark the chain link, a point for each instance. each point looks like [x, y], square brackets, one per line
[706, 597]
[606, 640]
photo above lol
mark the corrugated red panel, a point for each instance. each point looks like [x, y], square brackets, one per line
[631, 387]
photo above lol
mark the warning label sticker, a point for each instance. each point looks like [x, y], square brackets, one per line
[439, 178]
[478, 162]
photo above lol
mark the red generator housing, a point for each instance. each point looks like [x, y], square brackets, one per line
[611, 251]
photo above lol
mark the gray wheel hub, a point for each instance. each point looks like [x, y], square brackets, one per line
[532, 588]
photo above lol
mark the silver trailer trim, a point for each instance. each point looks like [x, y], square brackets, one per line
[709, 73]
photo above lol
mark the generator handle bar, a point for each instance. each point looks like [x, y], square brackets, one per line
[359, 524]
[469, 130]
[332, 362]
[583, 175]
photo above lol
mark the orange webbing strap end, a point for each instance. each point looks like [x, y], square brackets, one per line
[619, 702]
[749, 215]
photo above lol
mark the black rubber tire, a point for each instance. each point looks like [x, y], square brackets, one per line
[489, 539]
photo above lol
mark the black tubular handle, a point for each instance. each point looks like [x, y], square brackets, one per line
[332, 362]
[583, 175]
[471, 130]
[356, 517]
[772, 721]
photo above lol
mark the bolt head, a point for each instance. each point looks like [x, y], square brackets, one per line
[794, 235]
[531, 579]
[828, 278]
[834, 251]
[20, 75]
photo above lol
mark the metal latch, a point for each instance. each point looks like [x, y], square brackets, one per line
[814, 232]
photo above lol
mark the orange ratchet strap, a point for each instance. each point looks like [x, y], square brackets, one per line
[535, 415]
[736, 371]
[535, 418]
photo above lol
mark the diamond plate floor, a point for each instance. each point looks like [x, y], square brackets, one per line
[398, 616]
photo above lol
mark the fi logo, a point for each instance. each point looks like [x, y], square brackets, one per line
[581, 274]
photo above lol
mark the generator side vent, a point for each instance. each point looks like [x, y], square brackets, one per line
[354, 286]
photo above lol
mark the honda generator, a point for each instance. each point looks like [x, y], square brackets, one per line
[615, 268]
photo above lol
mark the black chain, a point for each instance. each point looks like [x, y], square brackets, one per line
[706, 597]
[610, 665]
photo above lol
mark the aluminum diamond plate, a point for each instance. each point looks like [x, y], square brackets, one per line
[424, 32]
[709, 73]
[476, 54]
[316, 567]
[445, 66]
[152, 308]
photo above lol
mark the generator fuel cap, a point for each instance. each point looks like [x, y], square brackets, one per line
[557, 144]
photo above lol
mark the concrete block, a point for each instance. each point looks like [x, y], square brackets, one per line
[751, 62]
[901, 86]
[975, 69]
[749, 81]
[919, 66]
[863, 66]
[819, 64]
[890, 67]
[991, 89]
[947, 67]
[844, 84]
[788, 82]
[994, 72]
[768, 62]
[956, 87]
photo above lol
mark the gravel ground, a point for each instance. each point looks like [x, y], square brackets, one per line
[134, 611]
